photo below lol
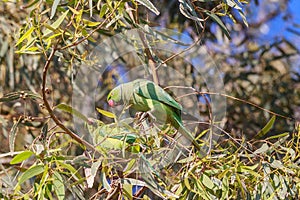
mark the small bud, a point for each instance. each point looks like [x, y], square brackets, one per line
[48, 91]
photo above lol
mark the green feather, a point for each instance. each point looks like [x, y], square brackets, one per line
[145, 96]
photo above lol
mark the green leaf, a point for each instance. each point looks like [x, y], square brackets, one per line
[53, 9]
[220, 23]
[69, 167]
[72, 111]
[21, 157]
[148, 5]
[109, 143]
[25, 36]
[277, 164]
[92, 172]
[187, 9]
[56, 24]
[266, 129]
[127, 188]
[206, 181]
[278, 136]
[262, 149]
[104, 181]
[59, 186]
[16, 95]
[129, 138]
[31, 172]
[13, 134]
[106, 113]
[90, 23]
[103, 10]
[225, 188]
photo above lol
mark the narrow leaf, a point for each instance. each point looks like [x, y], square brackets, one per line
[31, 172]
[90, 23]
[59, 186]
[69, 167]
[206, 181]
[72, 111]
[103, 10]
[106, 113]
[56, 24]
[220, 23]
[91, 7]
[21, 157]
[149, 5]
[16, 95]
[266, 129]
[92, 173]
[278, 136]
[262, 149]
[53, 9]
[13, 134]
[104, 181]
[25, 36]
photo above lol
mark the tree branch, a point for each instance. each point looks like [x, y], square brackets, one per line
[50, 111]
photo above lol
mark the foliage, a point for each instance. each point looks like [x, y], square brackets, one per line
[44, 158]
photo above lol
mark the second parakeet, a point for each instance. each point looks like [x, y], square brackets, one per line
[145, 96]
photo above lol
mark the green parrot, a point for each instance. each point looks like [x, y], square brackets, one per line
[145, 96]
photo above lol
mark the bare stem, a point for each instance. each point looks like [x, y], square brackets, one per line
[50, 111]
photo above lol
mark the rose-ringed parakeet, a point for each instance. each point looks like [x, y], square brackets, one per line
[145, 96]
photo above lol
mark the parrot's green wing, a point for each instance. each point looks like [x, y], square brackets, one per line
[150, 90]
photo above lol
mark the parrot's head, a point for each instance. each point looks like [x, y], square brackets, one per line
[114, 97]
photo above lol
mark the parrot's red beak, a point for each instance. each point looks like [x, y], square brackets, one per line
[111, 103]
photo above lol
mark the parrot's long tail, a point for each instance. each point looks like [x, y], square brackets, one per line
[187, 134]
[180, 143]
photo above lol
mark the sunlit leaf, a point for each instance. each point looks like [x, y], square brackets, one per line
[220, 23]
[92, 173]
[53, 9]
[103, 10]
[207, 181]
[148, 4]
[106, 113]
[262, 149]
[90, 23]
[277, 164]
[91, 7]
[56, 24]
[21, 157]
[266, 128]
[25, 36]
[104, 181]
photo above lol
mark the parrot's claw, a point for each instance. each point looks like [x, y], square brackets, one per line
[141, 116]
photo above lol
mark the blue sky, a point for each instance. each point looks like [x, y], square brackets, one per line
[278, 26]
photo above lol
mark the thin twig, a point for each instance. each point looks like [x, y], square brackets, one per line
[50, 111]
[230, 97]
[93, 31]
[151, 60]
